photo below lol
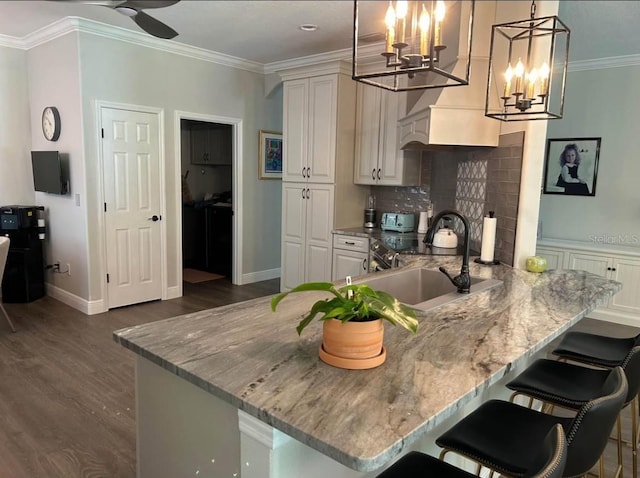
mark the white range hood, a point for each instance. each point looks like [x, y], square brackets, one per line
[454, 116]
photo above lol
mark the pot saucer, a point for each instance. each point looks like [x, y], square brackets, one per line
[353, 364]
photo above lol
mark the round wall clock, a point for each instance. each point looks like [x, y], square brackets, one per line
[51, 123]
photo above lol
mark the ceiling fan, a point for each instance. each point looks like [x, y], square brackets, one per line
[134, 10]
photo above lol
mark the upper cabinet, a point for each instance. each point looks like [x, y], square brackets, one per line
[210, 143]
[379, 159]
[310, 128]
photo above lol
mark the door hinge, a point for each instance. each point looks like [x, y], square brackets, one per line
[105, 207]
[102, 132]
[107, 278]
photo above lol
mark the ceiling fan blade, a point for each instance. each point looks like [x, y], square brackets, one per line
[142, 4]
[154, 27]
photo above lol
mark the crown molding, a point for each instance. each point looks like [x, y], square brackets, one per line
[604, 63]
[75, 24]
[304, 61]
[11, 42]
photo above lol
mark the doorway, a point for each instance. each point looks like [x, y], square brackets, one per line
[209, 162]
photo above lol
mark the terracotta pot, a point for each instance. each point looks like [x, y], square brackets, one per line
[353, 340]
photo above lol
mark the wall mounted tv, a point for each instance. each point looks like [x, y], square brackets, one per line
[48, 172]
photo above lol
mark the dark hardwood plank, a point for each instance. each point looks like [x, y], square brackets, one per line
[67, 404]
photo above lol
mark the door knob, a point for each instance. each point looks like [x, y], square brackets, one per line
[155, 218]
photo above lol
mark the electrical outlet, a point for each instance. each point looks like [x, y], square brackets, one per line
[68, 268]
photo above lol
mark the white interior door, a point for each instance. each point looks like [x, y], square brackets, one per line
[131, 162]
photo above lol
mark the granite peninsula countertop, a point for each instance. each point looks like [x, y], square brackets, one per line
[253, 359]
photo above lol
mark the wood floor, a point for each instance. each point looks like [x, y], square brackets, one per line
[67, 405]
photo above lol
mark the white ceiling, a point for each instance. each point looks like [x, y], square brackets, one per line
[267, 31]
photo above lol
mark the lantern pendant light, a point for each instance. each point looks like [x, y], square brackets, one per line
[528, 69]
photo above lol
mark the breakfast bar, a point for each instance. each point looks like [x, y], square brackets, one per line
[234, 391]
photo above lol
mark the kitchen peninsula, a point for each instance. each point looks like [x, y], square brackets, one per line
[233, 391]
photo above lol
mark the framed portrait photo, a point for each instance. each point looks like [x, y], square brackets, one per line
[270, 163]
[571, 166]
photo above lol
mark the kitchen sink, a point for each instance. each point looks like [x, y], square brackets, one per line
[425, 289]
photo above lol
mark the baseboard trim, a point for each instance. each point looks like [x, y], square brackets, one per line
[260, 276]
[88, 307]
[621, 319]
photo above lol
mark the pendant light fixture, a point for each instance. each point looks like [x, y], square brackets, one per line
[412, 45]
[528, 69]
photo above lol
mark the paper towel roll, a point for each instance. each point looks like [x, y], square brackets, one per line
[488, 238]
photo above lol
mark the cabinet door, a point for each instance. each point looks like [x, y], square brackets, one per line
[293, 211]
[220, 145]
[627, 271]
[318, 236]
[293, 235]
[295, 129]
[590, 262]
[397, 167]
[323, 109]
[555, 258]
[368, 137]
[200, 147]
[349, 263]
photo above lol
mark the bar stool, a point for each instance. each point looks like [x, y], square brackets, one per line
[571, 386]
[599, 351]
[500, 435]
[549, 463]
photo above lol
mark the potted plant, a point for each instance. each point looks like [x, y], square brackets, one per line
[352, 322]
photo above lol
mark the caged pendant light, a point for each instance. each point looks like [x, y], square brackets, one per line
[412, 45]
[527, 69]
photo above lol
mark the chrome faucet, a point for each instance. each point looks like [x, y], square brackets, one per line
[463, 280]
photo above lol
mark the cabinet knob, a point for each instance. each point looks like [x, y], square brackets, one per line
[373, 174]
[379, 173]
[364, 264]
[308, 193]
[309, 172]
[303, 173]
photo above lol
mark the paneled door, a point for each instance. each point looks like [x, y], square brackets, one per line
[131, 175]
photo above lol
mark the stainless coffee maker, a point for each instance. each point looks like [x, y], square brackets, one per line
[370, 216]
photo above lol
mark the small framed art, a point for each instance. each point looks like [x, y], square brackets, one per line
[270, 155]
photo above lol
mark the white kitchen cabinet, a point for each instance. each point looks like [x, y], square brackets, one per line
[350, 256]
[619, 264]
[554, 256]
[307, 221]
[318, 192]
[379, 160]
[310, 132]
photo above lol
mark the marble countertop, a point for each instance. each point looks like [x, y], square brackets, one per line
[253, 359]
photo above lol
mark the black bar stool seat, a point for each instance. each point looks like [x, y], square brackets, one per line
[549, 462]
[501, 435]
[418, 465]
[601, 350]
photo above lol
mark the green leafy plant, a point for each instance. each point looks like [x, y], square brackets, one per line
[358, 303]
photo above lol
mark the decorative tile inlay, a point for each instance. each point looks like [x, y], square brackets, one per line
[470, 196]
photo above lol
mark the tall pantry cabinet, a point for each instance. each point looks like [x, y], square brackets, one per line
[318, 194]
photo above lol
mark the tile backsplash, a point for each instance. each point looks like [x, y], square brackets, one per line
[472, 180]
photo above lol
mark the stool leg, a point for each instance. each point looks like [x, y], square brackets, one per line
[634, 437]
[620, 471]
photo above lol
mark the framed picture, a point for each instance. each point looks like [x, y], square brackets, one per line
[571, 166]
[270, 155]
